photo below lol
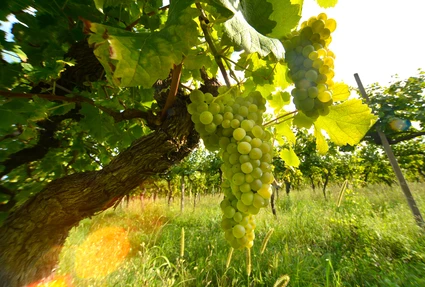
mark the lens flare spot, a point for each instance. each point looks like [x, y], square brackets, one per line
[102, 252]
[55, 281]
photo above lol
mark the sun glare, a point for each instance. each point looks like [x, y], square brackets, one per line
[102, 252]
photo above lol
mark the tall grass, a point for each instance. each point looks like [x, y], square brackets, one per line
[371, 239]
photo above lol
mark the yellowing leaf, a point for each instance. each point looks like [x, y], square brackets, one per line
[348, 122]
[327, 3]
[340, 92]
[278, 101]
[321, 144]
[284, 130]
[289, 156]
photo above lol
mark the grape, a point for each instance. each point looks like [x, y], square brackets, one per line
[247, 198]
[255, 153]
[311, 64]
[197, 96]
[239, 134]
[238, 231]
[244, 147]
[234, 126]
[229, 211]
[246, 167]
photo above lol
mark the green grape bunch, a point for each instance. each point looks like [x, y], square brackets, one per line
[232, 124]
[311, 65]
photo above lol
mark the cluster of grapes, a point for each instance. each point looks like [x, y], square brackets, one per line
[233, 125]
[311, 65]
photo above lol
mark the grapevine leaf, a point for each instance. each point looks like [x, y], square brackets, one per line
[99, 4]
[286, 14]
[244, 35]
[327, 3]
[99, 125]
[348, 122]
[340, 92]
[302, 121]
[280, 80]
[289, 156]
[284, 130]
[321, 144]
[143, 58]
[278, 100]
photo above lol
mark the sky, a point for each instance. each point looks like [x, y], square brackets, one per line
[375, 38]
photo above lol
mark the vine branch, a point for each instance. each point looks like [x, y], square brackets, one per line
[175, 81]
[204, 20]
[117, 116]
[280, 117]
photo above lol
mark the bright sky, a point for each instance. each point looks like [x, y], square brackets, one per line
[375, 38]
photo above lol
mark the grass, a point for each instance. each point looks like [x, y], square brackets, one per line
[370, 240]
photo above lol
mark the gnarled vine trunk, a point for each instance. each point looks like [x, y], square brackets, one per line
[32, 236]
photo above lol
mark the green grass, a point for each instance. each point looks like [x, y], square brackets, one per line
[370, 240]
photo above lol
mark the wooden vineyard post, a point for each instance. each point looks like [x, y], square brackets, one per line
[402, 181]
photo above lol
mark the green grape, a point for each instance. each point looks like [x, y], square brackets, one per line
[241, 206]
[197, 96]
[210, 128]
[239, 134]
[227, 223]
[265, 191]
[255, 153]
[257, 131]
[235, 123]
[247, 125]
[245, 187]
[238, 178]
[214, 108]
[256, 184]
[247, 198]
[246, 167]
[313, 92]
[237, 217]
[325, 96]
[238, 231]
[229, 211]
[267, 177]
[257, 173]
[208, 97]
[243, 111]
[311, 75]
[217, 119]
[307, 104]
[244, 147]
[258, 200]
[307, 50]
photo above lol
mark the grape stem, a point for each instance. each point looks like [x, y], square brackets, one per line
[275, 121]
[175, 81]
[217, 57]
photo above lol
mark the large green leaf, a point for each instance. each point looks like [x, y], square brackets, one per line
[348, 122]
[133, 59]
[286, 15]
[240, 28]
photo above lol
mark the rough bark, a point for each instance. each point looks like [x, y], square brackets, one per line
[33, 235]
